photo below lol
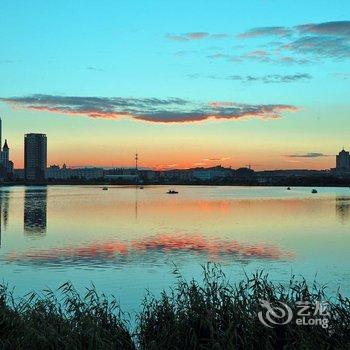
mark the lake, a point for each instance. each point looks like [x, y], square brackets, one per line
[126, 240]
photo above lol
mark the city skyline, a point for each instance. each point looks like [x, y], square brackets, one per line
[268, 90]
[208, 163]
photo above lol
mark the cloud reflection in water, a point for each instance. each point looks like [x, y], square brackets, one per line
[150, 249]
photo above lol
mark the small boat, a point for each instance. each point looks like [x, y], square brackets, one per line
[314, 191]
[288, 188]
[172, 192]
[141, 187]
[105, 188]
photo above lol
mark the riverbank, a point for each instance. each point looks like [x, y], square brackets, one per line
[214, 313]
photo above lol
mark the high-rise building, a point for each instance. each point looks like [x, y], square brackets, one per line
[343, 161]
[35, 157]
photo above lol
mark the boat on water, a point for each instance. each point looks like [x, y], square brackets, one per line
[172, 192]
[105, 188]
[314, 191]
[288, 188]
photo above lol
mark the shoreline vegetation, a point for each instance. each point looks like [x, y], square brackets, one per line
[213, 313]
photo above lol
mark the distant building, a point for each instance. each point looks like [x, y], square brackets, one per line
[54, 172]
[122, 177]
[5, 154]
[173, 175]
[5, 161]
[209, 174]
[122, 174]
[343, 161]
[148, 175]
[6, 166]
[244, 172]
[35, 157]
[275, 176]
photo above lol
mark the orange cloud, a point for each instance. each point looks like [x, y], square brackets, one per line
[171, 110]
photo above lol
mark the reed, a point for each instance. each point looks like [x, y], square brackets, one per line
[62, 320]
[213, 313]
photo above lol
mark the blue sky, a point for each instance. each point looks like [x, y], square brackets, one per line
[293, 56]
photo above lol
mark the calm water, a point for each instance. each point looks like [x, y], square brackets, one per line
[126, 240]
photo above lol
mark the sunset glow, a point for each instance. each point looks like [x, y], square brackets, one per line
[265, 90]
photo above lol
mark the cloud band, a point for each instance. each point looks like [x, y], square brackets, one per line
[170, 110]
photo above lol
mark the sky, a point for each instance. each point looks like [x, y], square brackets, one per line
[183, 83]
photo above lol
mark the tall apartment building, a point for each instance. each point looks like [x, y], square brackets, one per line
[343, 161]
[35, 157]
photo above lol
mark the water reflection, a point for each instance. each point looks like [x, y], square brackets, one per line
[4, 210]
[35, 211]
[342, 207]
[151, 248]
[91, 227]
[4, 205]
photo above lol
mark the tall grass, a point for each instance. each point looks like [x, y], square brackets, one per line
[217, 314]
[211, 314]
[72, 322]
